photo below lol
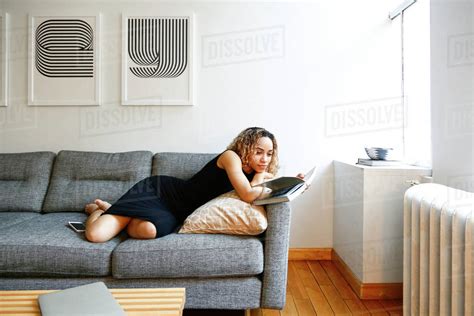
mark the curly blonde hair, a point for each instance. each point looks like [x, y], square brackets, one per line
[244, 145]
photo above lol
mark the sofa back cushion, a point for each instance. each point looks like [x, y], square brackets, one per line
[180, 165]
[24, 179]
[79, 177]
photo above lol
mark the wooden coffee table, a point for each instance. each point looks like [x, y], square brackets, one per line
[135, 302]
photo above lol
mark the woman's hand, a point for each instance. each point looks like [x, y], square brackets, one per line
[301, 176]
[265, 193]
[268, 175]
[260, 177]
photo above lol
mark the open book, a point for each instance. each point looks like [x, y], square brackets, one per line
[285, 189]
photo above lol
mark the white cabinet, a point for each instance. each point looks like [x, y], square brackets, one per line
[368, 218]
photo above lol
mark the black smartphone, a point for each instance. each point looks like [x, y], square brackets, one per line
[78, 227]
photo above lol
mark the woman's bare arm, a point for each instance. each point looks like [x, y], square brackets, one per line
[233, 167]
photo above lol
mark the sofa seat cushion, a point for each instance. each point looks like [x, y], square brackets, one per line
[80, 177]
[188, 255]
[24, 179]
[46, 246]
[12, 218]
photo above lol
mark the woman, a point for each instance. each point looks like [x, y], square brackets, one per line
[156, 205]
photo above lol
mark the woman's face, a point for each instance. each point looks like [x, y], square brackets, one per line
[261, 156]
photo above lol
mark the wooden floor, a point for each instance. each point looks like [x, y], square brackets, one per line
[317, 288]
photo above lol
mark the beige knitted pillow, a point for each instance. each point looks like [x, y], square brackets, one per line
[226, 214]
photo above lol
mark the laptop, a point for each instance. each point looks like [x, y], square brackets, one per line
[90, 299]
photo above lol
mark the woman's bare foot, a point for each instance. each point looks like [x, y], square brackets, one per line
[103, 205]
[97, 205]
[91, 208]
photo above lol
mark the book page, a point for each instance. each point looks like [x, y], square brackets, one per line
[285, 188]
[287, 182]
[280, 183]
[309, 176]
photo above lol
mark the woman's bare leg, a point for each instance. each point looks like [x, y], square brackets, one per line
[141, 229]
[103, 228]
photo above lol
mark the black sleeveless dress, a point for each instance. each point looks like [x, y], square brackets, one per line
[166, 201]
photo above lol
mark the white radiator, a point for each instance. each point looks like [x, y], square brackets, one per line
[438, 251]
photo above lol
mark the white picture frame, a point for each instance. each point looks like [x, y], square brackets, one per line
[64, 71]
[145, 80]
[4, 49]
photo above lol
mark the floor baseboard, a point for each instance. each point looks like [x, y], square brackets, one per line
[368, 291]
[363, 290]
[310, 254]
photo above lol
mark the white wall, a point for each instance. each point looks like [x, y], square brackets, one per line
[452, 92]
[333, 90]
[416, 81]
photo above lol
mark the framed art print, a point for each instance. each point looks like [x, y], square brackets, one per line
[4, 59]
[157, 60]
[64, 60]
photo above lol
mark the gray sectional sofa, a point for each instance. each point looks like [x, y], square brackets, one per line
[41, 191]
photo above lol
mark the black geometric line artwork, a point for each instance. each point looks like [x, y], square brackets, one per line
[64, 48]
[158, 46]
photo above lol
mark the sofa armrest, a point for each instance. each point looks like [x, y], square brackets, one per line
[276, 256]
